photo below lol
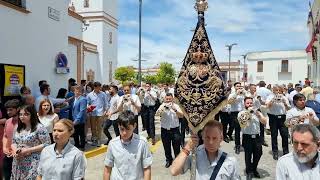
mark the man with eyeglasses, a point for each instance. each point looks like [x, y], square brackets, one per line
[304, 161]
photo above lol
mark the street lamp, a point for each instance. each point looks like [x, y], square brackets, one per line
[244, 69]
[140, 12]
[229, 49]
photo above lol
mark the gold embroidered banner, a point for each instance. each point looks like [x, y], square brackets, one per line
[200, 90]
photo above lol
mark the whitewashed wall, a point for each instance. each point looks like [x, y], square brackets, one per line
[34, 40]
[272, 68]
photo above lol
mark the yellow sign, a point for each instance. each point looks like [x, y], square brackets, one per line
[14, 80]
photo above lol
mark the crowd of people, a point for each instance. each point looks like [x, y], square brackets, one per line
[36, 131]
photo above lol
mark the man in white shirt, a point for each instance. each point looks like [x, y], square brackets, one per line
[170, 134]
[278, 105]
[300, 114]
[250, 138]
[165, 90]
[236, 105]
[150, 98]
[212, 162]
[263, 92]
[304, 162]
[112, 114]
[130, 102]
[297, 89]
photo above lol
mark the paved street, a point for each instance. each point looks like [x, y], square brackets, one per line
[266, 166]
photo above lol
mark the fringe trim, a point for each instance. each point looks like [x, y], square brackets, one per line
[208, 118]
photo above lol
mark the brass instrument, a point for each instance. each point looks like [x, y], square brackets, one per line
[278, 99]
[232, 99]
[126, 97]
[295, 120]
[245, 116]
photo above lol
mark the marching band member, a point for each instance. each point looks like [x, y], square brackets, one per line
[300, 114]
[170, 134]
[164, 91]
[278, 105]
[225, 120]
[250, 120]
[257, 102]
[150, 98]
[130, 102]
[236, 105]
[141, 93]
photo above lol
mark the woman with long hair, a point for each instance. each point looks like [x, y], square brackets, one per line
[28, 141]
[73, 160]
[46, 116]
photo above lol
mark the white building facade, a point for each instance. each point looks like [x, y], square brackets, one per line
[35, 32]
[277, 67]
[313, 46]
[102, 31]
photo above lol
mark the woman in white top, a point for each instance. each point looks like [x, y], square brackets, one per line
[47, 117]
[62, 160]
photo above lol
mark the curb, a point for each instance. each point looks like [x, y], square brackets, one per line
[96, 151]
[100, 150]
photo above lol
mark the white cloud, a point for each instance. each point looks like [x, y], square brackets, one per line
[166, 36]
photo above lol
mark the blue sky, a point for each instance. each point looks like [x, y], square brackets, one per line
[256, 25]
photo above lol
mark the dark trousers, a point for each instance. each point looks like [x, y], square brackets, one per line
[262, 132]
[277, 124]
[143, 116]
[183, 127]
[79, 136]
[136, 130]
[225, 120]
[171, 138]
[236, 126]
[7, 167]
[149, 117]
[252, 151]
[107, 124]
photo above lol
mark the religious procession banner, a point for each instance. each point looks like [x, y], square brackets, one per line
[200, 90]
[14, 79]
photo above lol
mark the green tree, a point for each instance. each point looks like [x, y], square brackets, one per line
[153, 79]
[166, 74]
[125, 74]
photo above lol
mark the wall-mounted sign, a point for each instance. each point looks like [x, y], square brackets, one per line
[62, 64]
[53, 14]
[14, 79]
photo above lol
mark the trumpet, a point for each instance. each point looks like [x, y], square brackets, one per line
[241, 92]
[278, 98]
[126, 98]
[167, 106]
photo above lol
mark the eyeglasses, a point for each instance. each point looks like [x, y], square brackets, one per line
[24, 114]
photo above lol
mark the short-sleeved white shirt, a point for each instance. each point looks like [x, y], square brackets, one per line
[128, 106]
[277, 108]
[128, 160]
[229, 169]
[289, 168]
[297, 112]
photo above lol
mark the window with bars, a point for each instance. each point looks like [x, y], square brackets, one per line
[260, 66]
[18, 3]
[86, 3]
[284, 66]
